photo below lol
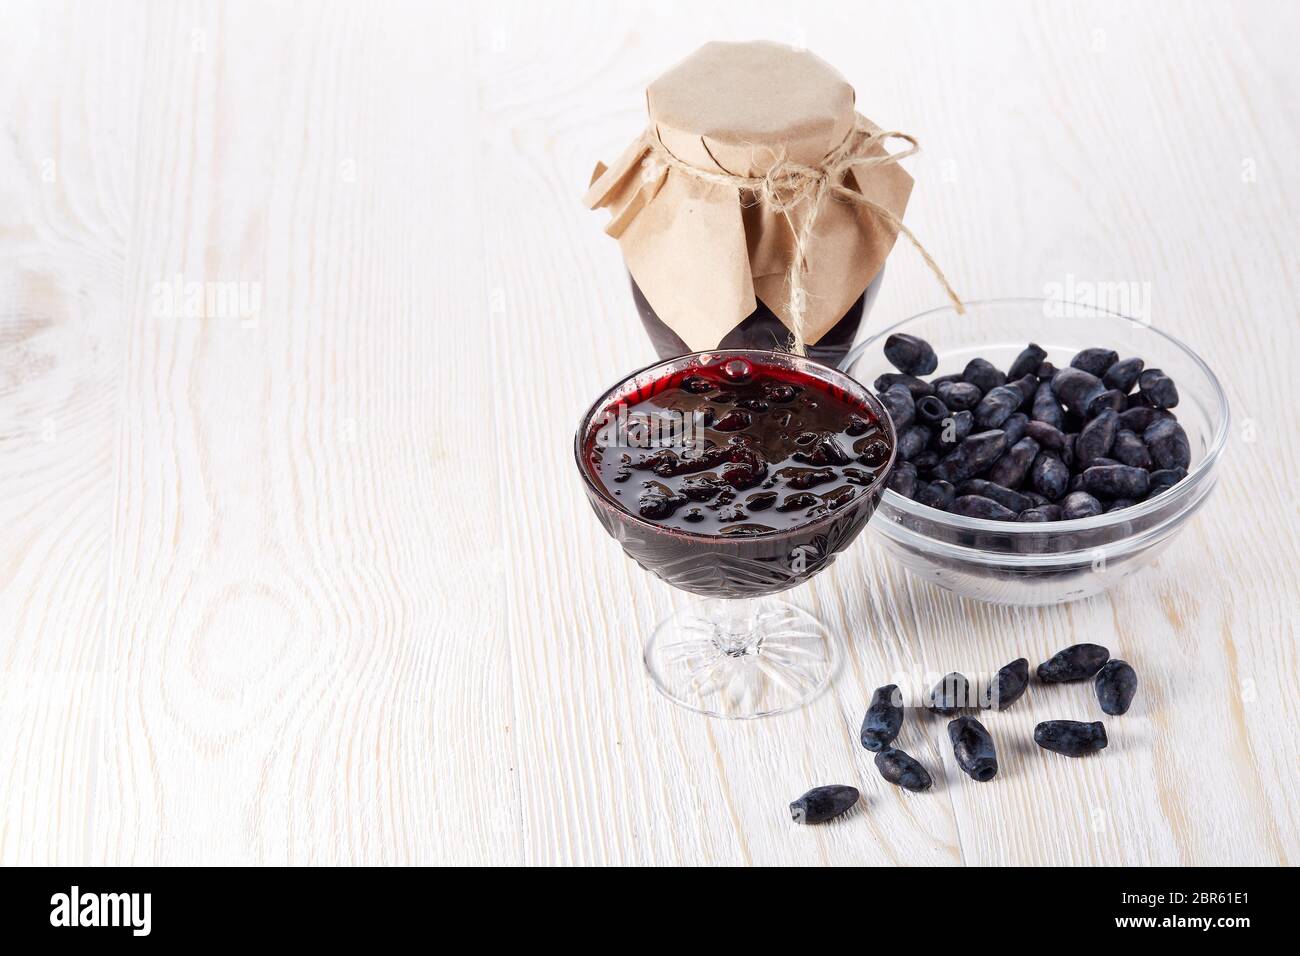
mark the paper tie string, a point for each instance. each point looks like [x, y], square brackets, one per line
[787, 185]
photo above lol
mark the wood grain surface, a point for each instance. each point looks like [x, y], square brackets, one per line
[271, 590]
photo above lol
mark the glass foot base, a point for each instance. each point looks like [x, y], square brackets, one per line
[741, 658]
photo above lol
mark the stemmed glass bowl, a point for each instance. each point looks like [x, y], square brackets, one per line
[739, 652]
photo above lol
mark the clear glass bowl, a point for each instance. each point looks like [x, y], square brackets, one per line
[1036, 564]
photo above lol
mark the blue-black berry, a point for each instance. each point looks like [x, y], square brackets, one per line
[952, 431]
[950, 695]
[1168, 444]
[959, 396]
[1014, 427]
[1007, 686]
[930, 410]
[912, 441]
[1112, 398]
[1040, 513]
[1049, 475]
[1073, 738]
[1048, 436]
[903, 770]
[1076, 388]
[902, 479]
[1027, 362]
[972, 456]
[1079, 504]
[823, 803]
[899, 403]
[1131, 450]
[997, 406]
[884, 718]
[1013, 467]
[1095, 361]
[938, 494]
[1158, 388]
[983, 375]
[1164, 479]
[1097, 438]
[1076, 662]
[1002, 495]
[1046, 407]
[910, 355]
[973, 748]
[916, 386]
[975, 506]
[1138, 418]
[1122, 376]
[1116, 481]
[926, 460]
[1116, 683]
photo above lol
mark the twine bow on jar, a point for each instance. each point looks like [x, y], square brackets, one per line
[787, 186]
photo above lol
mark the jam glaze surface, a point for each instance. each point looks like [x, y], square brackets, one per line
[735, 447]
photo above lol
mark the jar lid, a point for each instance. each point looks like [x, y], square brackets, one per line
[736, 107]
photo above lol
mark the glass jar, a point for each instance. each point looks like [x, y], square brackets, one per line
[761, 329]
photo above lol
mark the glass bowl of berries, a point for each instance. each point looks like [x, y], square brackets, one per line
[1046, 450]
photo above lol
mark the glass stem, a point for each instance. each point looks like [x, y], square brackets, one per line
[733, 625]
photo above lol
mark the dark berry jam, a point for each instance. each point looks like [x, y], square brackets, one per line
[737, 447]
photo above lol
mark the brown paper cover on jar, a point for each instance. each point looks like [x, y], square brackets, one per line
[704, 254]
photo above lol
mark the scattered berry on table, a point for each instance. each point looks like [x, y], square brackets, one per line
[823, 803]
[1116, 683]
[884, 718]
[903, 770]
[973, 747]
[1076, 662]
[1073, 738]
[1007, 686]
[950, 695]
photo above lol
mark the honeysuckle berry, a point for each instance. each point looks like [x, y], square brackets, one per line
[1076, 662]
[884, 718]
[1116, 683]
[1073, 738]
[1007, 686]
[903, 770]
[823, 803]
[973, 747]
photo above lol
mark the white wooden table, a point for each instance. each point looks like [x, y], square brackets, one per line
[264, 594]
